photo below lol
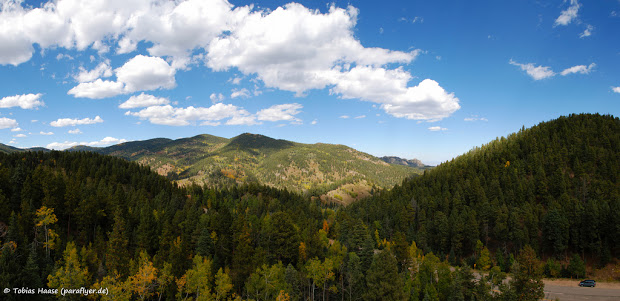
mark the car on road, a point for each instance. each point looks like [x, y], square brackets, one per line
[590, 283]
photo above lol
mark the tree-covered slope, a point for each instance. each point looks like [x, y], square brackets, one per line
[553, 186]
[81, 219]
[314, 169]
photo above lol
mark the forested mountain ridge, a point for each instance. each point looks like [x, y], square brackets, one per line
[81, 219]
[334, 172]
[405, 162]
[553, 186]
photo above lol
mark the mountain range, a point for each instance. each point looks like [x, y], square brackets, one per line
[332, 172]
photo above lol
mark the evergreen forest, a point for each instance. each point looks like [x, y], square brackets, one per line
[543, 201]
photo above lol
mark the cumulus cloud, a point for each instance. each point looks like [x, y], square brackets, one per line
[97, 89]
[215, 98]
[240, 93]
[20, 136]
[536, 72]
[169, 115]
[141, 73]
[103, 142]
[46, 133]
[283, 112]
[583, 69]
[146, 73]
[6, 123]
[615, 89]
[242, 120]
[569, 14]
[62, 122]
[314, 122]
[75, 131]
[143, 100]
[345, 117]
[216, 114]
[24, 101]
[436, 128]
[16, 130]
[235, 80]
[102, 70]
[291, 48]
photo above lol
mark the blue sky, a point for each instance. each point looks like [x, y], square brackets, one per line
[415, 79]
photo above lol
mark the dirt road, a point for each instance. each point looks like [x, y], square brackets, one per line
[571, 292]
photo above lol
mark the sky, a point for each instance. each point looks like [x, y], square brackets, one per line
[415, 79]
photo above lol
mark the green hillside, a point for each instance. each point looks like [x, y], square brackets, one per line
[81, 219]
[554, 187]
[315, 169]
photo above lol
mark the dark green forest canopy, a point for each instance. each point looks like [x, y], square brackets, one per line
[85, 219]
[553, 186]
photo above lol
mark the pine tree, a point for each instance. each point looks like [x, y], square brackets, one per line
[382, 279]
[117, 253]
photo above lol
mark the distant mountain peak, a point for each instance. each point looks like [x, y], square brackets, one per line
[258, 141]
[405, 162]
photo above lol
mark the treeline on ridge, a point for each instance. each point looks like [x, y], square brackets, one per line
[553, 187]
[79, 219]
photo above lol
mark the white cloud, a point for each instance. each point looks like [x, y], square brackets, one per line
[75, 131]
[73, 122]
[360, 117]
[436, 128]
[146, 73]
[97, 89]
[215, 114]
[24, 101]
[235, 80]
[426, 101]
[615, 89]
[569, 14]
[536, 72]
[169, 115]
[345, 117]
[60, 56]
[475, 118]
[211, 123]
[215, 98]
[20, 136]
[291, 48]
[587, 32]
[243, 120]
[578, 69]
[103, 142]
[6, 123]
[46, 134]
[283, 112]
[143, 100]
[13, 141]
[141, 73]
[240, 93]
[314, 122]
[102, 70]
[16, 130]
